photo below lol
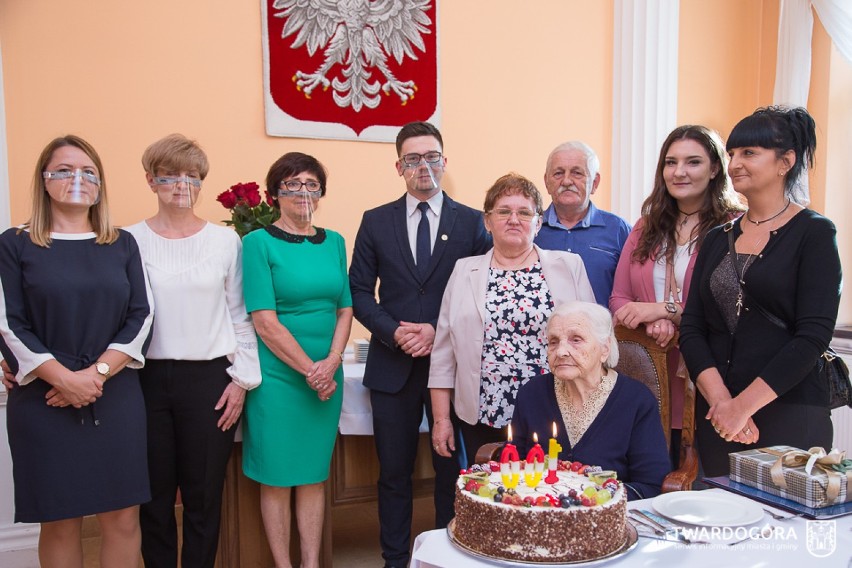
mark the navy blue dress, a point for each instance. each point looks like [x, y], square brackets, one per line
[626, 435]
[72, 301]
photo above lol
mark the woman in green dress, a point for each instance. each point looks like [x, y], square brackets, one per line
[297, 290]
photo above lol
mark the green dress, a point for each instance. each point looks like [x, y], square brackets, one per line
[288, 432]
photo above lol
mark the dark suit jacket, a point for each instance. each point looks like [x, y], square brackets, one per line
[382, 253]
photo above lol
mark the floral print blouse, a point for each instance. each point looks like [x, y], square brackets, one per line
[514, 350]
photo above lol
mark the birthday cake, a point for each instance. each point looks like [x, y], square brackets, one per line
[581, 515]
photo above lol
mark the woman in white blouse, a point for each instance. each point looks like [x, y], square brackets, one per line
[201, 361]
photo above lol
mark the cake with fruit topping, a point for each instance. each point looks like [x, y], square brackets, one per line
[582, 516]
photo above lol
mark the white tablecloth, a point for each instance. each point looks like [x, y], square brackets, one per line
[433, 549]
[356, 416]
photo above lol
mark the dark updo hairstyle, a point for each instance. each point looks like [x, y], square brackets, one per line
[292, 164]
[781, 129]
[660, 210]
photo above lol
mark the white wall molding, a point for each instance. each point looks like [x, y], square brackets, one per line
[19, 537]
[644, 105]
[5, 217]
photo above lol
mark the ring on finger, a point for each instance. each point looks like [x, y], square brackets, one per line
[747, 431]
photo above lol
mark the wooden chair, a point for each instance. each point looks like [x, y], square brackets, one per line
[642, 359]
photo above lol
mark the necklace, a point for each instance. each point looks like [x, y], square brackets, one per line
[311, 230]
[686, 216]
[741, 278]
[515, 266]
[750, 220]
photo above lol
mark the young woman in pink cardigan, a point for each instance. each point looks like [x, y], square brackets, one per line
[691, 195]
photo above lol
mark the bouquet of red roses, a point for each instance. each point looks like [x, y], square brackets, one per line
[248, 212]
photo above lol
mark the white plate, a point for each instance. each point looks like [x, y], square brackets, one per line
[705, 508]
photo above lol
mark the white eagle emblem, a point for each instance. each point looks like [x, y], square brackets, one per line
[357, 34]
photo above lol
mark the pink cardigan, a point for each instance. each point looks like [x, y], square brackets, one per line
[634, 282]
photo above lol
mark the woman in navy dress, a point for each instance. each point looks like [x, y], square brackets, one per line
[75, 314]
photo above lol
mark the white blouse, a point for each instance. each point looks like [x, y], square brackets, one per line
[681, 263]
[197, 284]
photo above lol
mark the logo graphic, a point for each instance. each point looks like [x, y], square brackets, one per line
[349, 65]
[822, 538]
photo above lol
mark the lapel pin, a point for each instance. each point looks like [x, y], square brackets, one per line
[444, 237]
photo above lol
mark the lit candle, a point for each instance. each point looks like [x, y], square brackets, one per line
[535, 464]
[553, 450]
[510, 464]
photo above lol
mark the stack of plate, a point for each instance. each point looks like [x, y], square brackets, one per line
[361, 347]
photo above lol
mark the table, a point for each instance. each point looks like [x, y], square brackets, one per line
[433, 549]
[356, 414]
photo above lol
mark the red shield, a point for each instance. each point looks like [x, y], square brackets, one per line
[347, 68]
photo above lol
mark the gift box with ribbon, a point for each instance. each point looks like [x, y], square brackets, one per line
[815, 478]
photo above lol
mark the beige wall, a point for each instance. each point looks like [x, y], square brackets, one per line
[514, 83]
[726, 62]
[122, 77]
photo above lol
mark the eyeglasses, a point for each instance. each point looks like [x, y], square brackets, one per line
[294, 185]
[524, 215]
[414, 159]
[87, 177]
[169, 180]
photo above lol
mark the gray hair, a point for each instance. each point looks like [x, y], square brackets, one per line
[593, 164]
[600, 321]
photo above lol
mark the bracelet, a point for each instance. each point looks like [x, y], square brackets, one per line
[338, 353]
[435, 423]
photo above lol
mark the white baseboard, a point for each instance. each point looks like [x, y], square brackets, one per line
[18, 537]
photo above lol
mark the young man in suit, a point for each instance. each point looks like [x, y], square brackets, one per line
[410, 247]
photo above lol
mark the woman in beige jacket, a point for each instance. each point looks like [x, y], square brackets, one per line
[490, 335]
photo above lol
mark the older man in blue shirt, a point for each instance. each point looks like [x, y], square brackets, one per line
[573, 223]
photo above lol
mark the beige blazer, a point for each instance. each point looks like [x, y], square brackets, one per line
[457, 352]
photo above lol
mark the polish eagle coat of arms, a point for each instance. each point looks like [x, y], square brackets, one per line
[376, 56]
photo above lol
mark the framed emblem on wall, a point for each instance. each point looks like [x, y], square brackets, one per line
[349, 69]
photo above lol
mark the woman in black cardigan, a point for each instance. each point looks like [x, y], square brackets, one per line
[759, 381]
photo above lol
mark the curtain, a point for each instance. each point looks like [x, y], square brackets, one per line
[793, 63]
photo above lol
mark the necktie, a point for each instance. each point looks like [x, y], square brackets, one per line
[424, 242]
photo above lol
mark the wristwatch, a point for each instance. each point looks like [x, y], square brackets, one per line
[671, 307]
[103, 369]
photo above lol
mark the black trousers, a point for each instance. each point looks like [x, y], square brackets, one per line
[479, 434]
[797, 425]
[396, 423]
[186, 451]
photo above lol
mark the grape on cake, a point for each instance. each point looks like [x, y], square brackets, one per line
[583, 516]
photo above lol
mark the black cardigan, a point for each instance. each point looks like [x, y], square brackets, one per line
[797, 278]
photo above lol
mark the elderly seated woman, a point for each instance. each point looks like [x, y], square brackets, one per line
[602, 417]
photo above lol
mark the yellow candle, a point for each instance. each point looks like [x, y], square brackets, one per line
[553, 449]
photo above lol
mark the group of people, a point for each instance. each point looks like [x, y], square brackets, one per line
[479, 319]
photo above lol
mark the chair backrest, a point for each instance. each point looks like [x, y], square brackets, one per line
[640, 358]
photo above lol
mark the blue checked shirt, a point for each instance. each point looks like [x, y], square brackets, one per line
[598, 239]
